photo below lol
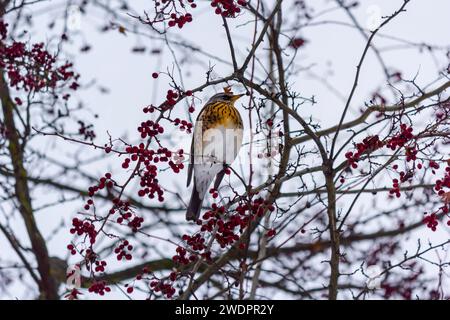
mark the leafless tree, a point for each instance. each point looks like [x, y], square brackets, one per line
[309, 211]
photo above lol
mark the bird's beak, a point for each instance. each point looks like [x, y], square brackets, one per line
[237, 96]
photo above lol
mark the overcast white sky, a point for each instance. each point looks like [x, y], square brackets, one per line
[332, 52]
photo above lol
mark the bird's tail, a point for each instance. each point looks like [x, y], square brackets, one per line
[195, 205]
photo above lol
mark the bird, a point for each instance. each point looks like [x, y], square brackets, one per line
[216, 142]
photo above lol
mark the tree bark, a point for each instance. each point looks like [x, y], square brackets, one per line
[47, 286]
[334, 233]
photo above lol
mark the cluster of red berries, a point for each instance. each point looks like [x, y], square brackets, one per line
[158, 285]
[149, 109]
[88, 204]
[402, 138]
[228, 8]
[165, 288]
[99, 287]
[123, 216]
[196, 242]
[297, 43]
[177, 161]
[443, 182]
[411, 153]
[197, 248]
[226, 229]
[179, 20]
[80, 227]
[17, 50]
[404, 177]
[257, 207]
[120, 205]
[167, 2]
[395, 188]
[373, 143]
[32, 69]
[149, 182]
[150, 128]
[369, 144]
[214, 213]
[90, 257]
[214, 193]
[184, 125]
[133, 221]
[434, 164]
[226, 233]
[431, 221]
[174, 17]
[439, 186]
[71, 248]
[100, 266]
[182, 257]
[104, 182]
[171, 99]
[146, 169]
[123, 251]
[135, 224]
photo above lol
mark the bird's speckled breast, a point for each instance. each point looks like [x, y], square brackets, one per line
[218, 133]
[220, 114]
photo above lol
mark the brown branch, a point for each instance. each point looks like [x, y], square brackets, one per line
[315, 247]
[363, 117]
[261, 37]
[230, 43]
[358, 71]
[47, 287]
[66, 187]
[13, 242]
[353, 191]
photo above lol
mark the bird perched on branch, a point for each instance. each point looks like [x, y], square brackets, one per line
[215, 144]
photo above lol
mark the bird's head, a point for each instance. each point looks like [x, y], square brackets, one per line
[226, 96]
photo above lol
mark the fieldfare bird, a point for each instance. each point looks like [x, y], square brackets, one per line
[215, 144]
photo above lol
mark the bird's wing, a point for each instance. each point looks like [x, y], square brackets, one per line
[191, 163]
[192, 156]
[204, 175]
[219, 178]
